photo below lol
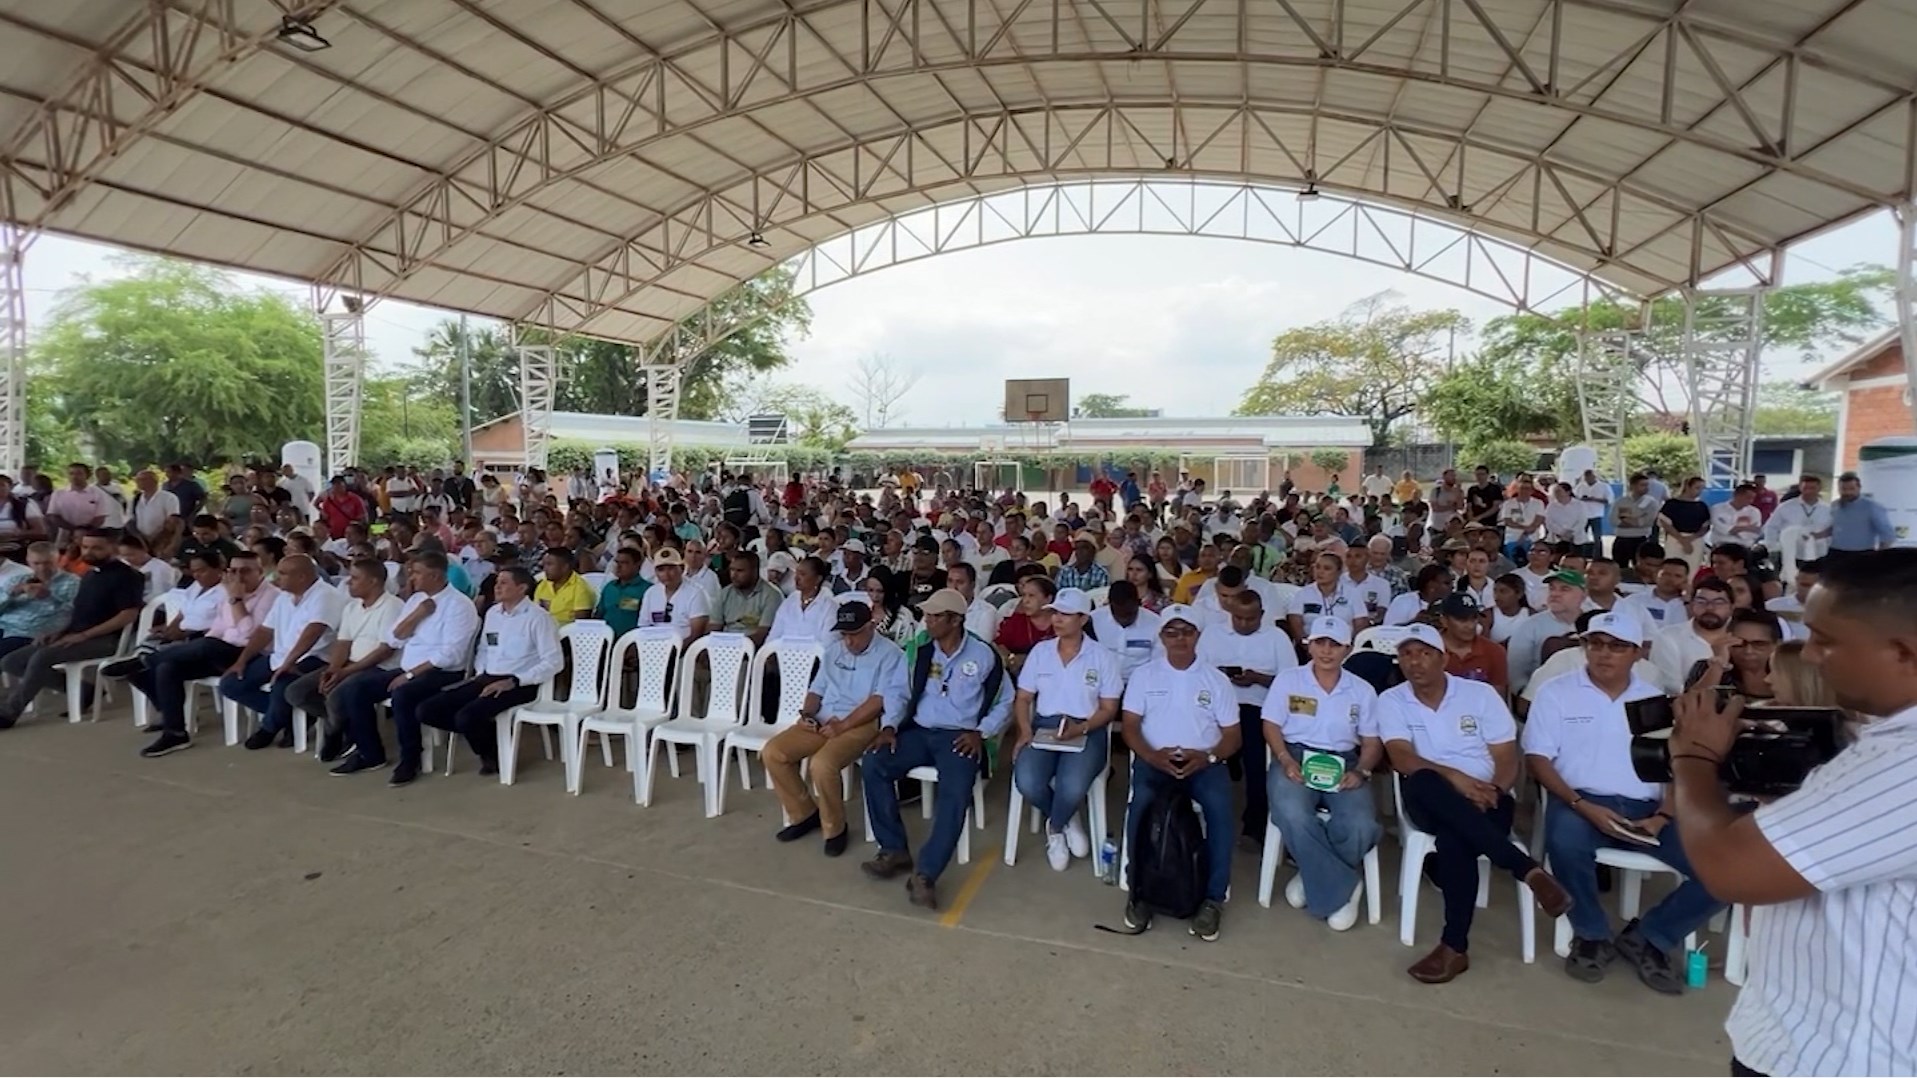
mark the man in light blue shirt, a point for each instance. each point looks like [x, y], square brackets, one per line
[1857, 523]
[36, 602]
[861, 678]
[955, 695]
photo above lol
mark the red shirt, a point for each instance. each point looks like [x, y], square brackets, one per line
[340, 510]
[1484, 662]
[1018, 635]
[1103, 488]
[1060, 547]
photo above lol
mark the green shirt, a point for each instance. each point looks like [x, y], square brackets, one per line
[747, 611]
[618, 604]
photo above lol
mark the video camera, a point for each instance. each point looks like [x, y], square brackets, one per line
[1777, 747]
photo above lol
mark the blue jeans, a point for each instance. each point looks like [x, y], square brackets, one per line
[1211, 788]
[361, 693]
[918, 746]
[1571, 844]
[1056, 782]
[249, 689]
[1330, 853]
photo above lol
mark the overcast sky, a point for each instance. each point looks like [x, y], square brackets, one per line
[1183, 324]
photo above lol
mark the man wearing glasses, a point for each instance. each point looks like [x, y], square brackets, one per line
[243, 609]
[1675, 650]
[1578, 743]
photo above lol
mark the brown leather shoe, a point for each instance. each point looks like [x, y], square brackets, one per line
[1441, 965]
[922, 892]
[1551, 895]
[887, 864]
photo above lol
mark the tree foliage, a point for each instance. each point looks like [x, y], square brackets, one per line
[814, 420]
[1502, 456]
[1107, 406]
[1331, 460]
[1377, 360]
[880, 386]
[178, 361]
[1673, 455]
[1492, 398]
[1784, 407]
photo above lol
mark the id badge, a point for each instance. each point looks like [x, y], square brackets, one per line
[1322, 771]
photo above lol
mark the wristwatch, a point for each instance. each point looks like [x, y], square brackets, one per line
[1211, 757]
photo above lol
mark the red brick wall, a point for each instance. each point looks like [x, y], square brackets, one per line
[1874, 412]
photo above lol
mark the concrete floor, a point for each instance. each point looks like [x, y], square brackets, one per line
[223, 911]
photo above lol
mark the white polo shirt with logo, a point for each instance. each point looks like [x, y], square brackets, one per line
[1310, 601]
[1071, 689]
[1369, 598]
[1181, 708]
[1331, 720]
[1458, 733]
[1583, 732]
[1267, 651]
[1134, 644]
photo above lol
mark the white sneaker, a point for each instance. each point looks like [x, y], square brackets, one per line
[1076, 839]
[1295, 892]
[1056, 852]
[1347, 914]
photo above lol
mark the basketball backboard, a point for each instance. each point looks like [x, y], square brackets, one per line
[1038, 400]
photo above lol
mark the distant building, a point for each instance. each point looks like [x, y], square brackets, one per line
[1876, 394]
[501, 442]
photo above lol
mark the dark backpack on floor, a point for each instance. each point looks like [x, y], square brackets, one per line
[1170, 866]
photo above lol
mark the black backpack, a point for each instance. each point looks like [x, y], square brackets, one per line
[1169, 864]
[738, 507]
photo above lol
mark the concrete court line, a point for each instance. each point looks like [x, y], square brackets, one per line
[974, 882]
[979, 871]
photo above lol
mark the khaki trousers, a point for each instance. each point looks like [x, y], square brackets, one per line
[829, 756]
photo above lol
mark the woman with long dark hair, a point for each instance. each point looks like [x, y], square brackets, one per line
[894, 619]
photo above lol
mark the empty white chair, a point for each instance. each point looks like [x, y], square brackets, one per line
[728, 655]
[1095, 824]
[1411, 873]
[590, 641]
[595, 581]
[656, 649]
[1275, 852]
[929, 775]
[795, 659]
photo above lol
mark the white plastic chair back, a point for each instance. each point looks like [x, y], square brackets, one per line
[999, 595]
[158, 611]
[1793, 543]
[728, 656]
[796, 658]
[591, 641]
[1098, 596]
[658, 654]
[596, 581]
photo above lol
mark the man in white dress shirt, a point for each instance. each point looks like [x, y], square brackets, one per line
[674, 602]
[981, 617]
[433, 638]
[518, 652]
[368, 611]
[1832, 867]
[1125, 627]
[1250, 652]
[291, 642]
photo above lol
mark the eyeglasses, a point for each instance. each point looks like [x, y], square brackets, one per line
[1716, 601]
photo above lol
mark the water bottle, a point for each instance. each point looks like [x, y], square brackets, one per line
[1697, 968]
[1108, 862]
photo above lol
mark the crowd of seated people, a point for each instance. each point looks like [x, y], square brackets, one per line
[1214, 641]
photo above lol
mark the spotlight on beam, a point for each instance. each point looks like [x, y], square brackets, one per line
[1309, 193]
[297, 31]
[757, 239]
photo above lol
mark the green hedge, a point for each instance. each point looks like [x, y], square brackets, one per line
[566, 455]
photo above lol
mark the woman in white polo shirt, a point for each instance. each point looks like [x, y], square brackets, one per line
[1068, 693]
[1323, 735]
[1455, 743]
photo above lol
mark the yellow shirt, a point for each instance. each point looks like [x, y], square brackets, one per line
[1406, 490]
[1187, 587]
[565, 601]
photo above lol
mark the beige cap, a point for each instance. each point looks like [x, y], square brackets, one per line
[668, 556]
[943, 601]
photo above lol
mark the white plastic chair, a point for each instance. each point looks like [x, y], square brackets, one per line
[168, 604]
[728, 655]
[1411, 874]
[76, 670]
[1098, 596]
[1095, 802]
[596, 581]
[591, 641]
[796, 658]
[657, 650]
[1275, 852]
[1000, 595]
[929, 775]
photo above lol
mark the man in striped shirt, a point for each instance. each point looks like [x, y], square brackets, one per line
[1832, 867]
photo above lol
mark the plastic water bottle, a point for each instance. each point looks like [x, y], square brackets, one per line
[1697, 969]
[1108, 861]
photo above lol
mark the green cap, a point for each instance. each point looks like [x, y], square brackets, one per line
[1566, 576]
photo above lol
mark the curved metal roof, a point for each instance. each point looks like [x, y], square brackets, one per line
[604, 165]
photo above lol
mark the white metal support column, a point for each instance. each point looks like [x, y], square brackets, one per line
[537, 377]
[1907, 301]
[1607, 371]
[343, 338]
[13, 346]
[662, 408]
[1723, 346]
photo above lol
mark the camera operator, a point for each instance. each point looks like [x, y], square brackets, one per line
[1832, 867]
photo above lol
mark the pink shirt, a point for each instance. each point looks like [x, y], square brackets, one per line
[235, 622]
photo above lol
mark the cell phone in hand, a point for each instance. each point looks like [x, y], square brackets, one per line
[1625, 829]
[1231, 671]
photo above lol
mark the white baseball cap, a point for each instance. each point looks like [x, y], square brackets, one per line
[1423, 634]
[1616, 624]
[1070, 601]
[1326, 627]
[857, 546]
[1181, 612]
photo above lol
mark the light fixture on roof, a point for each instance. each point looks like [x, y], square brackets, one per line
[757, 239]
[1308, 193]
[297, 31]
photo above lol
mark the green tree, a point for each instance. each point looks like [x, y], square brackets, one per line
[1502, 456]
[1492, 398]
[1331, 460]
[1785, 407]
[404, 422]
[177, 361]
[1107, 406]
[495, 368]
[1378, 360]
[813, 419]
[1673, 455]
[771, 312]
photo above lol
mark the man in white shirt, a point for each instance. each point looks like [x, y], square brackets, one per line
[290, 642]
[433, 638]
[1455, 744]
[1377, 484]
[1675, 649]
[1181, 723]
[1578, 744]
[1830, 868]
[1125, 627]
[298, 489]
[1594, 495]
[1737, 520]
[671, 601]
[981, 617]
[1662, 605]
[1535, 570]
[699, 572]
[1320, 725]
[366, 614]
[156, 513]
[1808, 511]
[1250, 652]
[1632, 518]
[1522, 515]
[1369, 592]
[518, 652]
